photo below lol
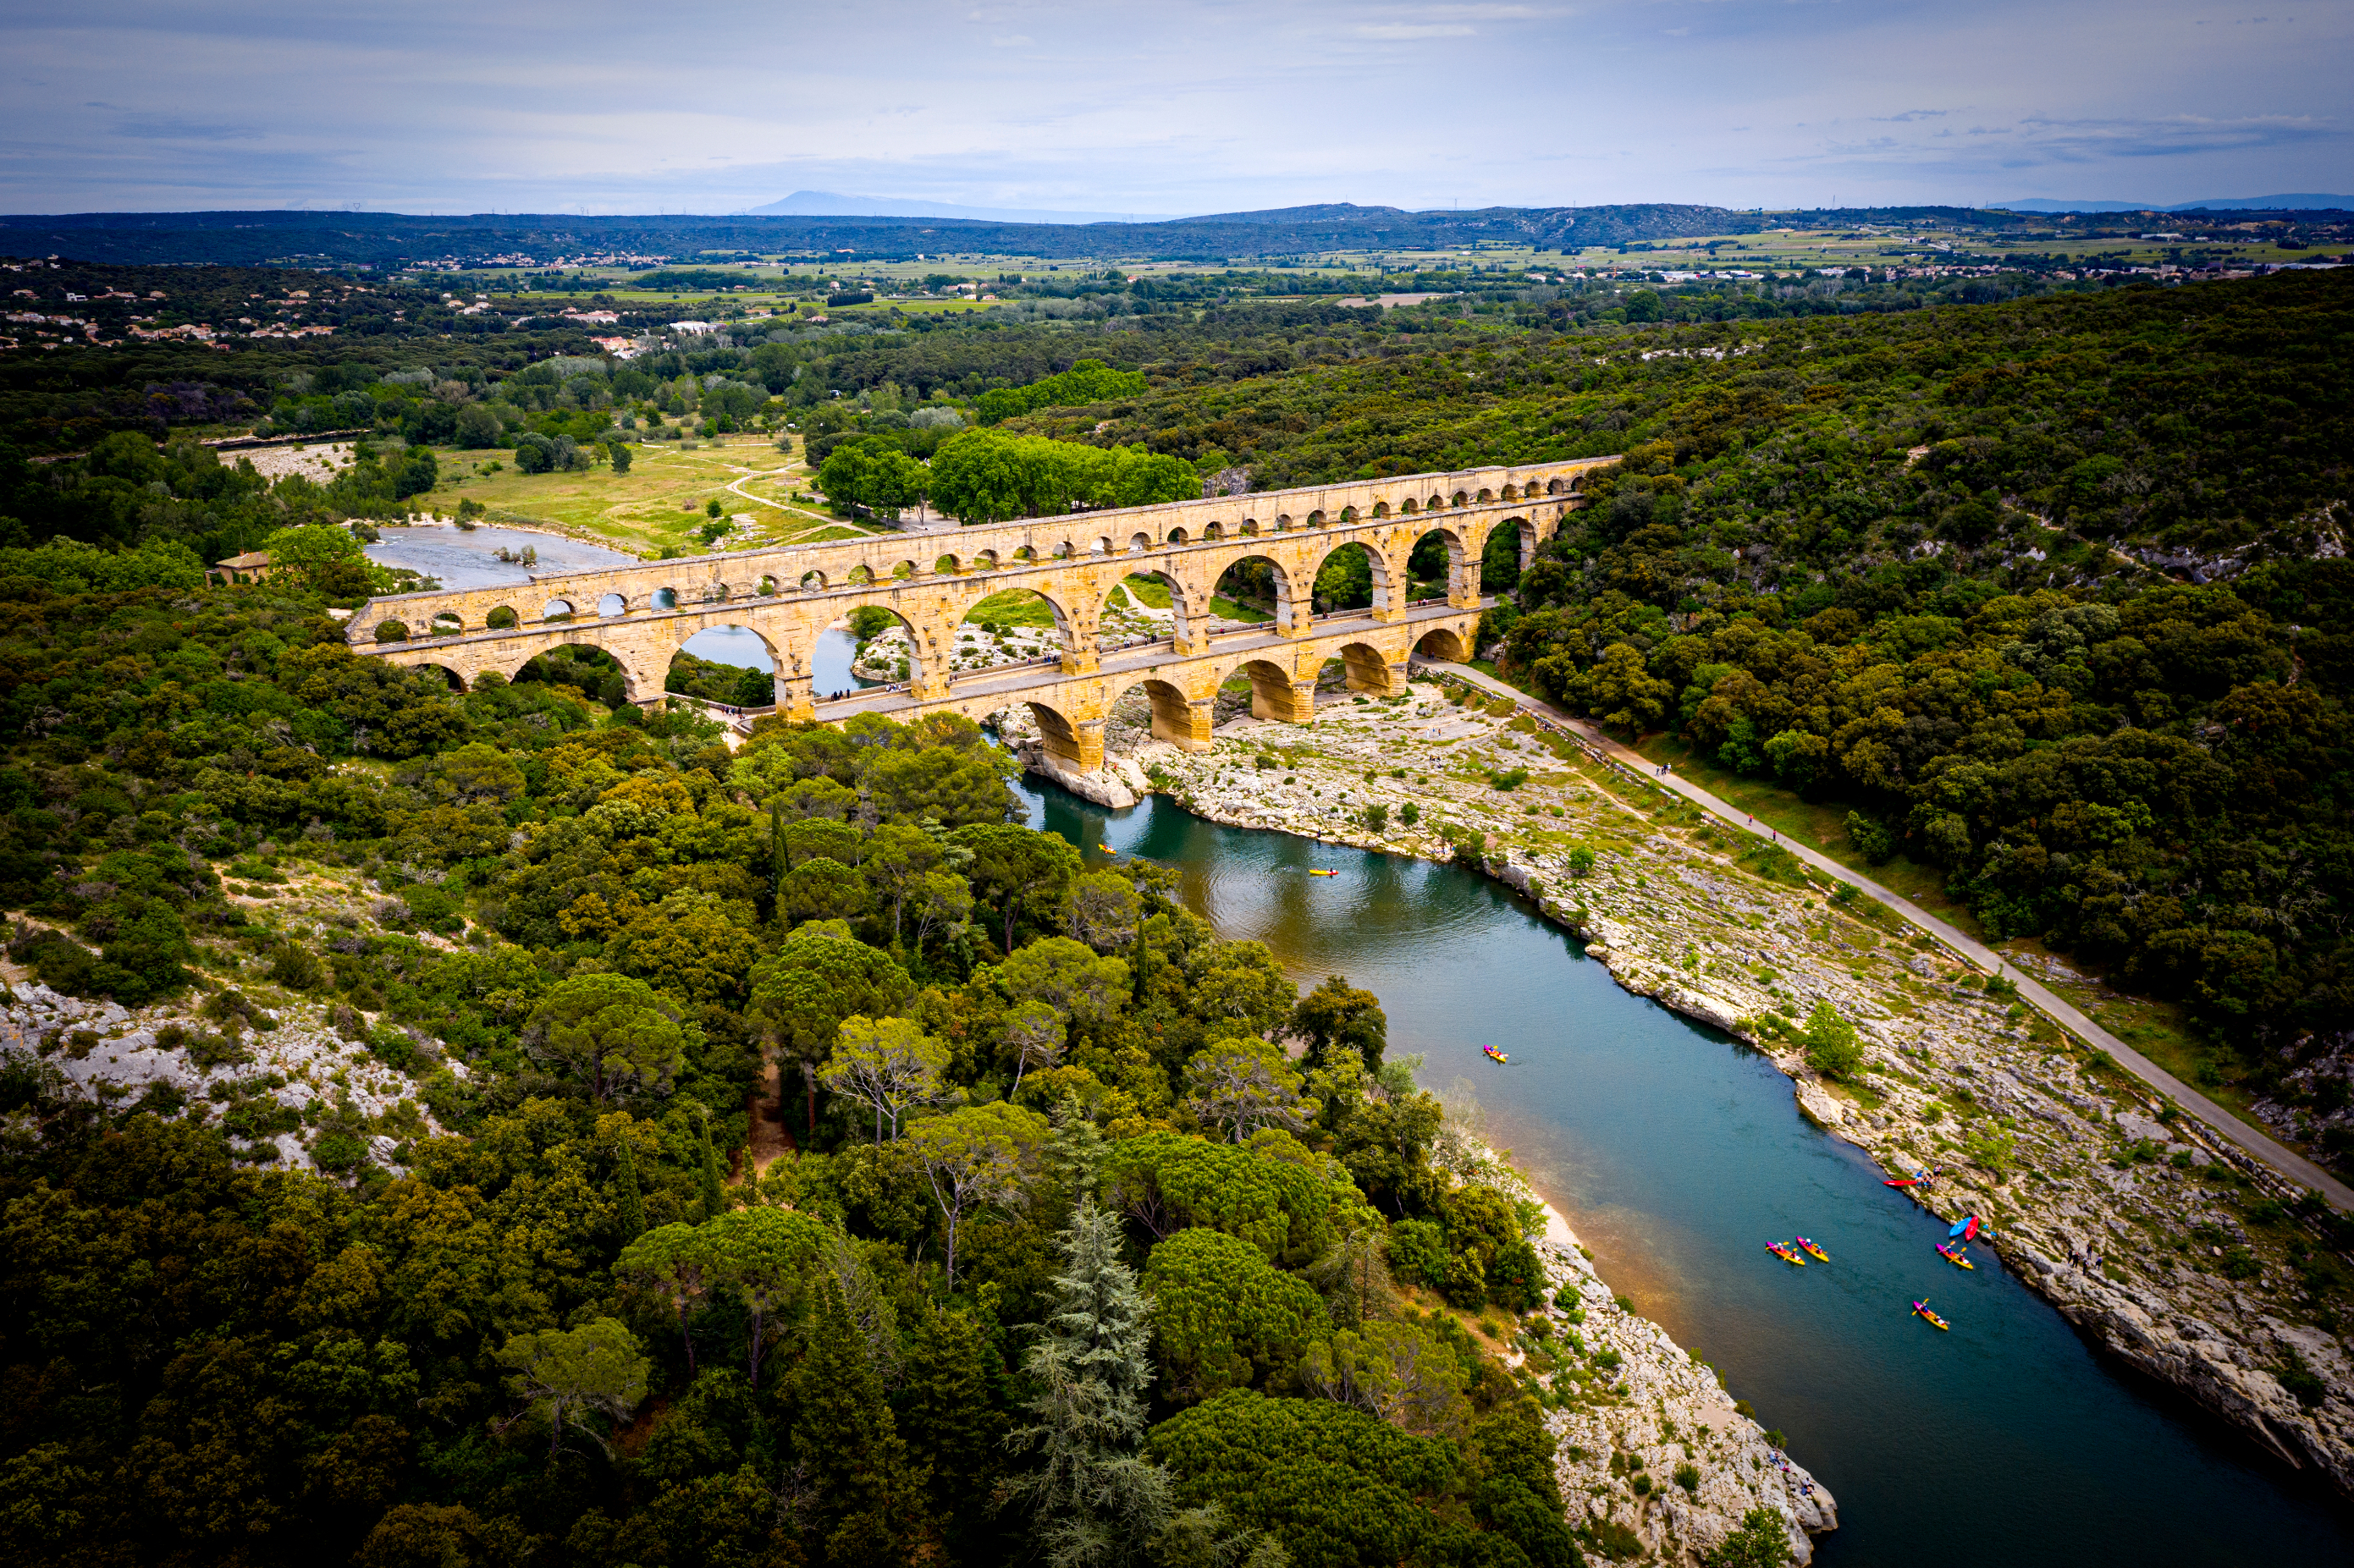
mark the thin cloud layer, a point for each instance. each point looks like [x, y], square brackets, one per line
[1189, 106]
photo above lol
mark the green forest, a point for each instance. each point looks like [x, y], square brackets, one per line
[1083, 1235]
[1063, 1256]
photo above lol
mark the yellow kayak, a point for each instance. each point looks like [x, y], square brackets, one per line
[1323, 873]
[1921, 1310]
[1818, 1253]
[1953, 1254]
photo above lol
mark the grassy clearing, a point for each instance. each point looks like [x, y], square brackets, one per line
[661, 503]
[1014, 607]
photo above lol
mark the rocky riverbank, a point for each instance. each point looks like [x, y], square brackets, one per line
[2167, 1245]
[1655, 1459]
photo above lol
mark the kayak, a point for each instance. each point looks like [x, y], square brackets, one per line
[1953, 1254]
[1107, 849]
[1785, 1255]
[1818, 1253]
[1323, 873]
[1921, 1310]
[1495, 1055]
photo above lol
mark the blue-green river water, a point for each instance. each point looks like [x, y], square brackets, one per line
[1676, 1154]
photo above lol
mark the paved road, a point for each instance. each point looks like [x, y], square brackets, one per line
[2287, 1161]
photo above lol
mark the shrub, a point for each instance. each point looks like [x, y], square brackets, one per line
[1688, 1478]
[1830, 1043]
[1377, 816]
[1508, 778]
[1871, 837]
[1409, 813]
[1417, 1251]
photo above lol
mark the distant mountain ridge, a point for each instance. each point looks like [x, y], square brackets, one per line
[311, 238]
[2300, 201]
[832, 203]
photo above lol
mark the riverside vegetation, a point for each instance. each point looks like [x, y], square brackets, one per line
[657, 1154]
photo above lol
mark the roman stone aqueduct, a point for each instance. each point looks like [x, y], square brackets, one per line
[643, 614]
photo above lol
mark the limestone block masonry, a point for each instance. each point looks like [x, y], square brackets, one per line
[787, 596]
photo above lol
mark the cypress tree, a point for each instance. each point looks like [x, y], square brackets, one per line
[866, 1494]
[955, 1426]
[715, 1202]
[629, 1203]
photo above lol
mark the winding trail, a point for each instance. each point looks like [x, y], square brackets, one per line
[2285, 1161]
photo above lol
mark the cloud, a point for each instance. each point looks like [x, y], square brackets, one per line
[1910, 115]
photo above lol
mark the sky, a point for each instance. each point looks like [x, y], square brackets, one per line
[1175, 107]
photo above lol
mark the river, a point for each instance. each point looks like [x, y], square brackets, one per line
[1677, 1152]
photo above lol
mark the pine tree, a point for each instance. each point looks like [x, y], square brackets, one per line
[629, 1203]
[867, 1495]
[1097, 1502]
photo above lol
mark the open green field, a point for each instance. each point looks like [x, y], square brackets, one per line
[661, 503]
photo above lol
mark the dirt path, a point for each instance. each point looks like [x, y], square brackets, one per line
[771, 1140]
[2285, 1161]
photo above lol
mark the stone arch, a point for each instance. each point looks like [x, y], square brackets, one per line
[1213, 532]
[1316, 518]
[1248, 528]
[1436, 503]
[1283, 522]
[445, 623]
[612, 604]
[763, 698]
[903, 571]
[501, 618]
[814, 579]
[1377, 571]
[1004, 614]
[1348, 515]
[391, 631]
[1443, 644]
[1556, 487]
[1269, 589]
[1442, 566]
[915, 644]
[449, 672]
[1369, 670]
[1180, 613]
[1382, 508]
[662, 598]
[557, 609]
[947, 567]
[1137, 544]
[861, 575]
[1103, 546]
[1508, 493]
[1406, 508]
[1273, 695]
[1462, 498]
[1061, 737]
[1177, 536]
[1026, 554]
[1510, 549]
[1486, 496]
[984, 561]
[1176, 718]
[608, 668]
[766, 588]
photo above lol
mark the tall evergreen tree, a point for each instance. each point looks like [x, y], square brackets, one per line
[866, 1506]
[1097, 1504]
[714, 1200]
[956, 1425]
[629, 1203]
